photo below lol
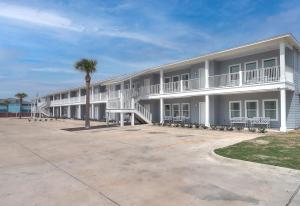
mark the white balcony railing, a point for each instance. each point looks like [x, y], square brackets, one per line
[260, 76]
[100, 96]
[224, 80]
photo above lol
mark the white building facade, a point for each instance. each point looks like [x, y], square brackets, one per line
[257, 82]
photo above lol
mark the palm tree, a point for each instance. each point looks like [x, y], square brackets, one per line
[88, 66]
[6, 103]
[21, 96]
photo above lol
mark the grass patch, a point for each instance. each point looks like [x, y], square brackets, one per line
[280, 150]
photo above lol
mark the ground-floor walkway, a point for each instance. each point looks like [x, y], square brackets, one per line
[41, 164]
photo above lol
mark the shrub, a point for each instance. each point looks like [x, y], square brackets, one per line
[239, 128]
[229, 128]
[251, 129]
[204, 127]
[213, 127]
[262, 130]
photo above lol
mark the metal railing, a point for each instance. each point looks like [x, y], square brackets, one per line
[143, 111]
[100, 96]
[263, 75]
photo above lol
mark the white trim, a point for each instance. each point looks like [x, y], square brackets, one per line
[230, 102]
[173, 109]
[176, 76]
[257, 107]
[185, 74]
[165, 110]
[250, 62]
[263, 108]
[263, 61]
[199, 113]
[189, 106]
[232, 65]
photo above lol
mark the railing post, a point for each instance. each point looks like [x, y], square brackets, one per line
[241, 77]
[206, 74]
[161, 82]
[181, 85]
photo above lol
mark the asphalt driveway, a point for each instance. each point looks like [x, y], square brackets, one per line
[41, 164]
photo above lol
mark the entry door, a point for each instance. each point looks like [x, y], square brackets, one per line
[201, 112]
[176, 83]
[147, 85]
[147, 107]
[202, 77]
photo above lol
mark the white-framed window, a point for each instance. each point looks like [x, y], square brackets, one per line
[175, 110]
[270, 109]
[270, 62]
[251, 65]
[176, 78]
[184, 78]
[167, 110]
[235, 109]
[234, 73]
[185, 110]
[167, 79]
[235, 68]
[251, 108]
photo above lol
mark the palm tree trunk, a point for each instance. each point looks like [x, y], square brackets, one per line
[87, 105]
[21, 101]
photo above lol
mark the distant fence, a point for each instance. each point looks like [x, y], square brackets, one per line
[24, 114]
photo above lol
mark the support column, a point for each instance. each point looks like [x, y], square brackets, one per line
[206, 74]
[122, 105]
[161, 105]
[283, 116]
[69, 97]
[79, 112]
[282, 62]
[93, 111]
[60, 111]
[207, 120]
[69, 111]
[161, 82]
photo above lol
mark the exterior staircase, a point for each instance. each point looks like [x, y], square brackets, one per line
[128, 102]
[42, 107]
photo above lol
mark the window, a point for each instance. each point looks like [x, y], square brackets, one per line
[167, 79]
[272, 62]
[167, 110]
[175, 110]
[185, 109]
[234, 73]
[234, 68]
[184, 78]
[251, 108]
[234, 109]
[270, 109]
[251, 65]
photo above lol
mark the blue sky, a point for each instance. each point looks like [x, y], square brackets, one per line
[40, 40]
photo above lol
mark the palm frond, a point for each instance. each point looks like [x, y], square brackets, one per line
[86, 65]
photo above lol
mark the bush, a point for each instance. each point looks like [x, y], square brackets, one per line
[239, 128]
[204, 127]
[229, 128]
[213, 127]
[262, 130]
[251, 129]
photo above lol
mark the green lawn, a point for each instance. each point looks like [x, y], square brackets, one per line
[280, 150]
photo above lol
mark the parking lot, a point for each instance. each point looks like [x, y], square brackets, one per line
[41, 164]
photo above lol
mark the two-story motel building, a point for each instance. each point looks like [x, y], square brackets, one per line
[259, 79]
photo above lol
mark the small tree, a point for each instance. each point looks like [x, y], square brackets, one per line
[87, 66]
[21, 96]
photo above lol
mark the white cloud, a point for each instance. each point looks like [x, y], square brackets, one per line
[54, 70]
[36, 16]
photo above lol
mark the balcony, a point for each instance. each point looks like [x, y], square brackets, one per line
[238, 79]
[100, 97]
